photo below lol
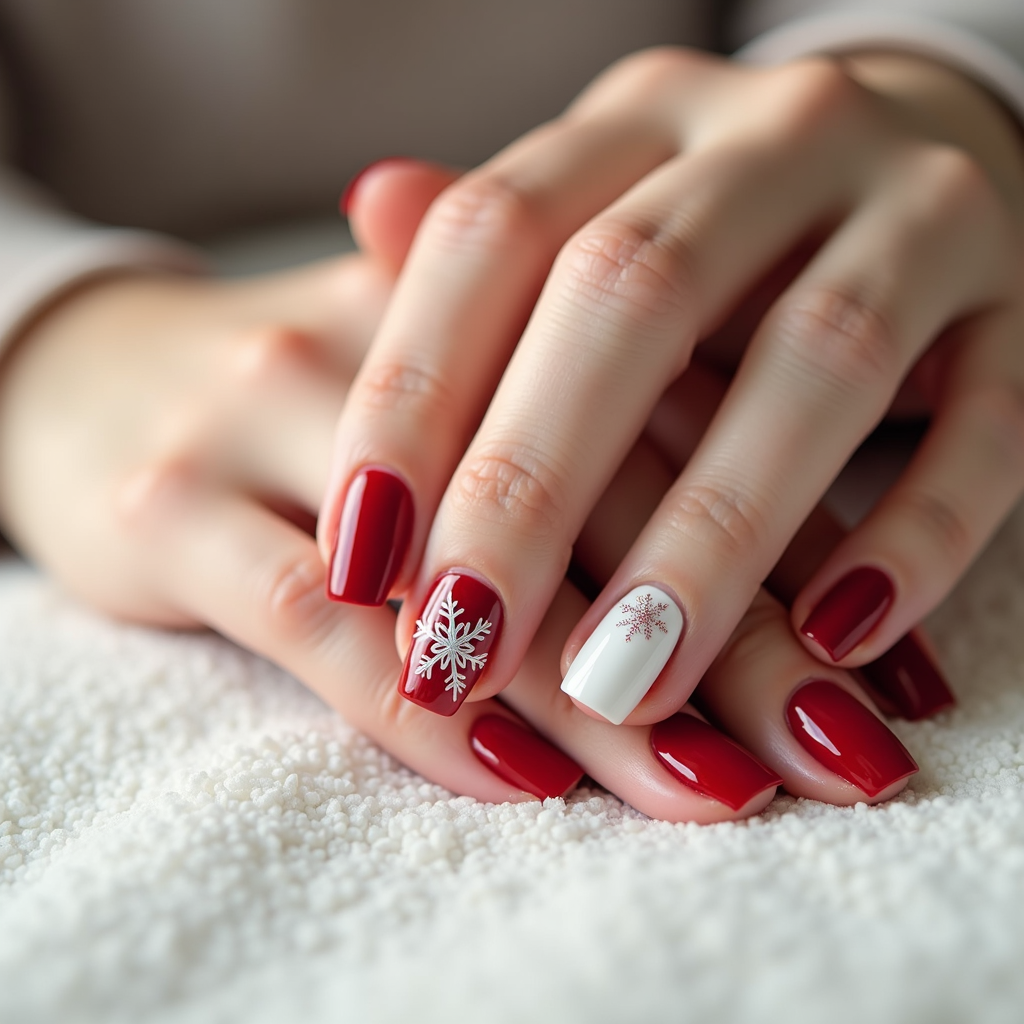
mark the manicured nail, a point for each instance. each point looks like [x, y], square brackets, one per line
[457, 628]
[522, 758]
[349, 191]
[623, 656]
[843, 735]
[849, 611]
[373, 537]
[907, 679]
[710, 763]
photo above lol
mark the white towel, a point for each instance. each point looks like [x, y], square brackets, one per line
[188, 835]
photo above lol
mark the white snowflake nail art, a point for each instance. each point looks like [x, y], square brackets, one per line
[613, 671]
[644, 618]
[453, 645]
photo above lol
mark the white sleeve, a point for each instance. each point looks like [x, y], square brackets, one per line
[44, 250]
[982, 38]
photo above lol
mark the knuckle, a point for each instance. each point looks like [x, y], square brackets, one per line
[813, 94]
[638, 272]
[264, 355]
[939, 519]
[407, 388]
[957, 181]
[655, 70]
[512, 483]
[719, 518]
[147, 493]
[289, 594]
[485, 211]
[841, 339]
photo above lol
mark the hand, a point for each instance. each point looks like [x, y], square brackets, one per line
[161, 443]
[624, 234]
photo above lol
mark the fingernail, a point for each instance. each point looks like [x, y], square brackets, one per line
[909, 680]
[849, 611]
[457, 628]
[348, 193]
[623, 656]
[522, 758]
[843, 735]
[373, 538]
[710, 763]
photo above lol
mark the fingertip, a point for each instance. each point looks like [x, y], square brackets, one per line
[386, 201]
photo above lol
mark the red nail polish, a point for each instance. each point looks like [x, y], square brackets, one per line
[457, 628]
[907, 679]
[849, 611]
[710, 763]
[843, 735]
[522, 758]
[373, 538]
[347, 195]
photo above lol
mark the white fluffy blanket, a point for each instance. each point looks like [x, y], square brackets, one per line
[188, 835]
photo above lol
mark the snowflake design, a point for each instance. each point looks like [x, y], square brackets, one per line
[453, 645]
[644, 617]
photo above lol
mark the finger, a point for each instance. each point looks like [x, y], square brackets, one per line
[625, 302]
[386, 202]
[967, 474]
[230, 563]
[280, 398]
[817, 377]
[688, 771]
[470, 280]
[809, 723]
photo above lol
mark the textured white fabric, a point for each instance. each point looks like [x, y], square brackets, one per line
[186, 835]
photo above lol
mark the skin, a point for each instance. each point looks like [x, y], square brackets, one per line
[163, 442]
[551, 294]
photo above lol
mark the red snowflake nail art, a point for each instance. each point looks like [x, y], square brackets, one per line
[454, 635]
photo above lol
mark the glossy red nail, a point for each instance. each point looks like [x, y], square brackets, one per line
[348, 194]
[907, 680]
[373, 538]
[457, 628]
[522, 758]
[710, 763]
[843, 735]
[849, 611]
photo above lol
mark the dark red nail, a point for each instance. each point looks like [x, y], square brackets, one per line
[350, 189]
[843, 735]
[522, 758]
[457, 628]
[907, 680]
[373, 537]
[849, 611]
[710, 763]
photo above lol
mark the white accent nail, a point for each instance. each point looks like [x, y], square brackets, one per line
[623, 656]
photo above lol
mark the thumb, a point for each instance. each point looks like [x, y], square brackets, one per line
[386, 202]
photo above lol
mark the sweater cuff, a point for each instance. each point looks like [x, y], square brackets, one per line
[45, 251]
[841, 33]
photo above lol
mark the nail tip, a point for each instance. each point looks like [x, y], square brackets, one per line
[907, 679]
[875, 790]
[846, 737]
[849, 612]
[522, 757]
[710, 763]
[611, 675]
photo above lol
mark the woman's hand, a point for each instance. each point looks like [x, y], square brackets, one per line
[162, 442]
[581, 267]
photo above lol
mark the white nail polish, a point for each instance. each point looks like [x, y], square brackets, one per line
[623, 656]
